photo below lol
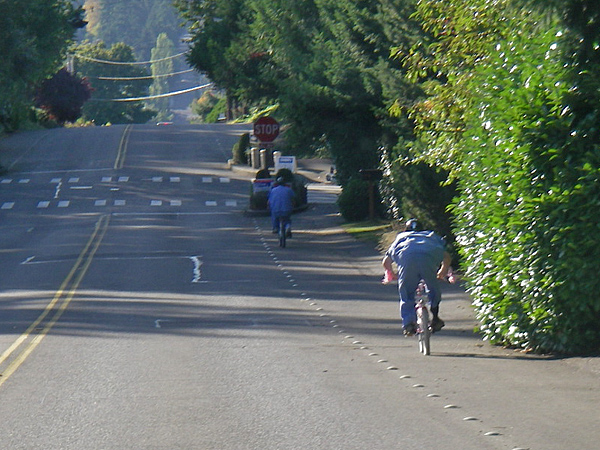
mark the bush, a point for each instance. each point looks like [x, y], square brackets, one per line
[354, 200]
[240, 149]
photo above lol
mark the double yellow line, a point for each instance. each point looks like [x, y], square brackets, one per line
[122, 152]
[32, 337]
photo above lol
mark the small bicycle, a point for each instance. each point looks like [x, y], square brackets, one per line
[424, 330]
[423, 324]
[283, 231]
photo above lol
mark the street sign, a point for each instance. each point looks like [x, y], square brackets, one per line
[266, 129]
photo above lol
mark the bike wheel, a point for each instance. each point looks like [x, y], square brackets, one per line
[282, 235]
[424, 331]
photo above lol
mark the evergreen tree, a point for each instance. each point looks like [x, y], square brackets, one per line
[160, 84]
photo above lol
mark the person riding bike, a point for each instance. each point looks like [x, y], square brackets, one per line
[281, 204]
[419, 255]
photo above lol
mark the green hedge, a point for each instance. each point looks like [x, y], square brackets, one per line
[528, 219]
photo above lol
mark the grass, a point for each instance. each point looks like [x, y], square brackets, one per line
[376, 232]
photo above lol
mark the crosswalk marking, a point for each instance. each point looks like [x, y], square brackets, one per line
[100, 203]
[43, 204]
[8, 205]
[156, 203]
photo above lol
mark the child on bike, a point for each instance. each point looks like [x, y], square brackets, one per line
[281, 204]
[419, 255]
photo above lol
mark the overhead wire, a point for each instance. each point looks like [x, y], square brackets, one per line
[149, 77]
[152, 97]
[130, 63]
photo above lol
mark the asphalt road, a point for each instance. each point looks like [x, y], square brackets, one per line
[141, 309]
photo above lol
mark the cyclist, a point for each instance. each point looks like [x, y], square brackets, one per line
[419, 255]
[281, 203]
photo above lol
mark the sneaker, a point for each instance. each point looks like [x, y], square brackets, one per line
[437, 324]
[410, 329]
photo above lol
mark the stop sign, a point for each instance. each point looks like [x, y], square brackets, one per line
[266, 129]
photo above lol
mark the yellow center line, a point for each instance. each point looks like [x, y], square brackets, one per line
[120, 160]
[65, 294]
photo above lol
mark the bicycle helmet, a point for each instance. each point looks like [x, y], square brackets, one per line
[412, 225]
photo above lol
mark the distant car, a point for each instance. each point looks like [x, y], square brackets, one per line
[160, 124]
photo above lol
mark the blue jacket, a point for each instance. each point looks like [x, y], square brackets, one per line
[281, 199]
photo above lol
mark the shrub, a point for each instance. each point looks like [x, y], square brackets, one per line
[354, 200]
[240, 149]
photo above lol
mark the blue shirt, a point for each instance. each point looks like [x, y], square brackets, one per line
[281, 199]
[424, 243]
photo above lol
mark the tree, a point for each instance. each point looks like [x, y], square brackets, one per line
[160, 84]
[137, 23]
[33, 44]
[114, 81]
[62, 96]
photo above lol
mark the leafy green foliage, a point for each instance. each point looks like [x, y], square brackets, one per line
[509, 126]
[113, 82]
[33, 44]
[137, 23]
[160, 85]
[240, 149]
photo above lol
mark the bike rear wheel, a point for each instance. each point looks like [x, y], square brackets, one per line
[424, 332]
[282, 233]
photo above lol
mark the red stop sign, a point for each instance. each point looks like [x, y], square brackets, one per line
[266, 129]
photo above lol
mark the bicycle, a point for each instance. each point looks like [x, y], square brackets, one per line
[424, 330]
[283, 230]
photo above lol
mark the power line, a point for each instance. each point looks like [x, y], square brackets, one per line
[148, 77]
[132, 63]
[151, 97]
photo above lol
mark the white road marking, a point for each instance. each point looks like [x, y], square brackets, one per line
[8, 205]
[43, 204]
[197, 266]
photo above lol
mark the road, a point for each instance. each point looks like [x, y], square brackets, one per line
[141, 309]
